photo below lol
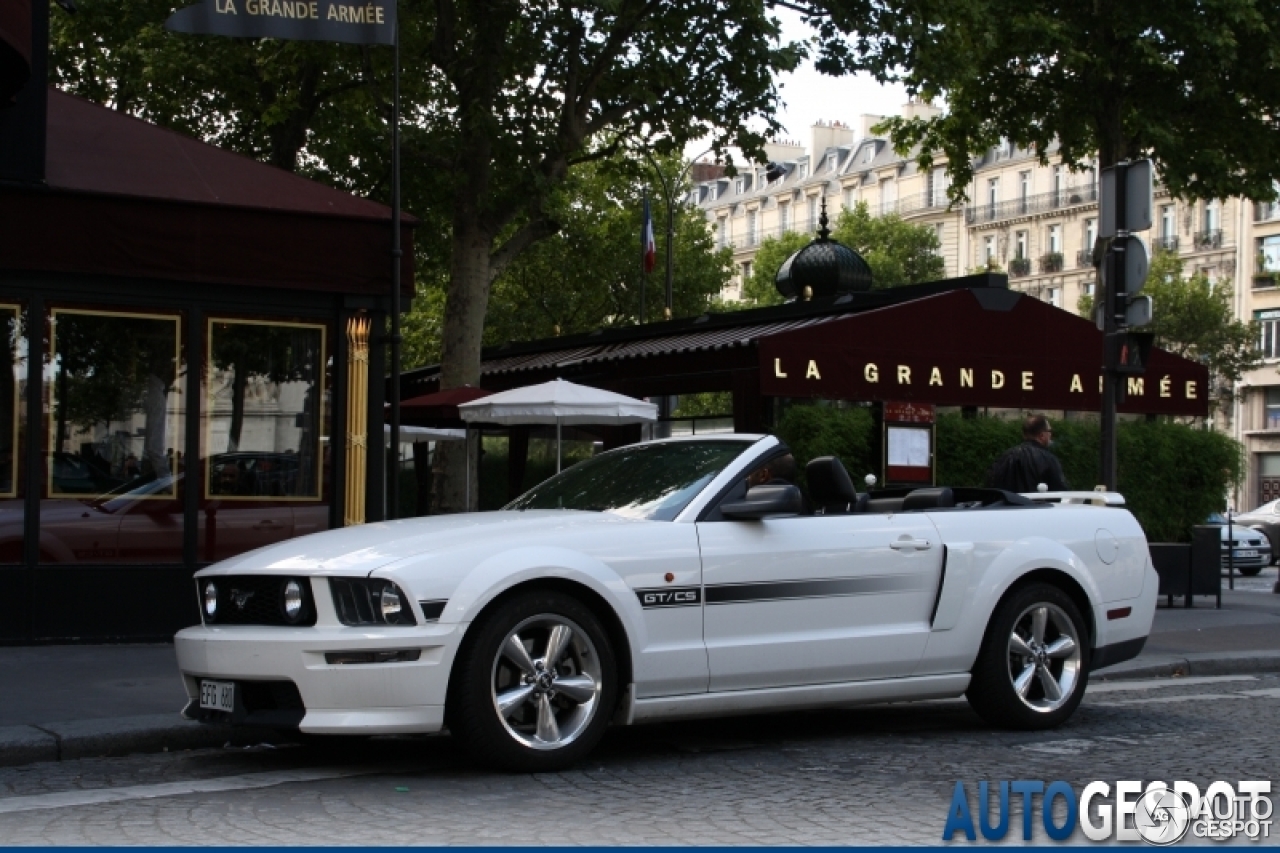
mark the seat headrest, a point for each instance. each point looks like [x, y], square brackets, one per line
[829, 482]
[934, 498]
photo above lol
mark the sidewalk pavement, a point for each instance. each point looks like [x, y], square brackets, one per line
[67, 702]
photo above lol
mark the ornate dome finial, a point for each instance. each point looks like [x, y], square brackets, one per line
[823, 233]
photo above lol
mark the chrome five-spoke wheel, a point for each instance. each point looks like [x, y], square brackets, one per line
[1033, 666]
[535, 683]
[1044, 657]
[546, 681]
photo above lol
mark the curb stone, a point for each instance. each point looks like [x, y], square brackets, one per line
[72, 739]
[1207, 663]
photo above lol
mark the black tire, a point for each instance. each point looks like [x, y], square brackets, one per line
[992, 692]
[483, 671]
[1249, 571]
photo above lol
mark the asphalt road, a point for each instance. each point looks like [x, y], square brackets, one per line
[882, 775]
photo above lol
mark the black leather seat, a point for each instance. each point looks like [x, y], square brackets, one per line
[938, 497]
[830, 489]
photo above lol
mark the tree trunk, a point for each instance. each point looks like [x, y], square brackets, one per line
[464, 310]
[239, 381]
[155, 450]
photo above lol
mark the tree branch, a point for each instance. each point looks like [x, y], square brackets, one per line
[525, 236]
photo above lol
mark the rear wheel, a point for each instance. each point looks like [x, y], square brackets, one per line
[1034, 663]
[535, 688]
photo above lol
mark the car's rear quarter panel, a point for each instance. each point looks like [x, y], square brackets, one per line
[991, 550]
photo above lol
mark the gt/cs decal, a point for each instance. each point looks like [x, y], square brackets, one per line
[677, 596]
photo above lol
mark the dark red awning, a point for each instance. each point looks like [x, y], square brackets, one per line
[996, 348]
[440, 408]
[125, 197]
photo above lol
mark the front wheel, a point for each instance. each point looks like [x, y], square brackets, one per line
[535, 687]
[1033, 666]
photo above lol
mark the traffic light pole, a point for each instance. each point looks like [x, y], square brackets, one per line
[1115, 286]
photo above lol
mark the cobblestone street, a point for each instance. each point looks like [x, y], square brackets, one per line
[880, 775]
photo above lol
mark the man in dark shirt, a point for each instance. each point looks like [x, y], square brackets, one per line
[1025, 467]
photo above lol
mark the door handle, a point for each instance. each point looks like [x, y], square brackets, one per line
[911, 545]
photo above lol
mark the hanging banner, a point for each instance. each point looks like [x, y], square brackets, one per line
[372, 22]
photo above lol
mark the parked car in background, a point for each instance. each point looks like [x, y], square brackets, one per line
[1252, 547]
[1265, 519]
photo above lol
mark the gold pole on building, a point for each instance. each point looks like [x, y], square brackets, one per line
[357, 418]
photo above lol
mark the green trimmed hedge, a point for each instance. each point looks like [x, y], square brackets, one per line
[813, 430]
[1171, 475]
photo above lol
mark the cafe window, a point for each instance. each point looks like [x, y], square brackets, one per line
[13, 382]
[265, 446]
[114, 462]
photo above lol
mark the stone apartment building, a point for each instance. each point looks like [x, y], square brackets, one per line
[1036, 222]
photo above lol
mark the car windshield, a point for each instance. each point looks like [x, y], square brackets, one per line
[650, 481]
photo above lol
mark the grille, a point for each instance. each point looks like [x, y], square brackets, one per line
[255, 600]
[259, 696]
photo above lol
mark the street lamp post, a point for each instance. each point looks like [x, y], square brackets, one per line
[668, 196]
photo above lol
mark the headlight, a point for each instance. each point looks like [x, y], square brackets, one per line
[389, 598]
[293, 602]
[370, 601]
[210, 601]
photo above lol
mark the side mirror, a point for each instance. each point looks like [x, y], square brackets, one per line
[764, 501]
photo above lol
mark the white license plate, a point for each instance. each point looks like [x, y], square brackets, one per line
[218, 695]
[1246, 554]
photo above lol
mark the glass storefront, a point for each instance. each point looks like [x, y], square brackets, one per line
[265, 463]
[114, 465]
[13, 409]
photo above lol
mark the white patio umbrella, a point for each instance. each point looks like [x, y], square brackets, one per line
[558, 402]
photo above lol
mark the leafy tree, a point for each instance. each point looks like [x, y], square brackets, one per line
[1193, 318]
[1190, 83]
[898, 252]
[759, 289]
[587, 275]
[502, 100]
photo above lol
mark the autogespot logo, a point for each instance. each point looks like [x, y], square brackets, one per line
[1159, 814]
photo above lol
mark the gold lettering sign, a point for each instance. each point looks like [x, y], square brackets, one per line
[226, 7]
[1137, 386]
[1027, 376]
[871, 373]
[777, 369]
[1077, 387]
[1191, 390]
[904, 375]
[811, 372]
[1166, 387]
[966, 377]
[997, 379]
[935, 377]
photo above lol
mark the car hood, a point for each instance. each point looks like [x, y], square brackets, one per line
[1242, 535]
[367, 547]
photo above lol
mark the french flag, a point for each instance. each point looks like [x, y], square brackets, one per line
[648, 248]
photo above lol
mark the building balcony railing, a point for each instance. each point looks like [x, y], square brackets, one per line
[1084, 258]
[1032, 204]
[1051, 262]
[1168, 243]
[1019, 267]
[1263, 279]
[1211, 239]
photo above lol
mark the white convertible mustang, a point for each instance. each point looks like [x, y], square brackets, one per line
[648, 583]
